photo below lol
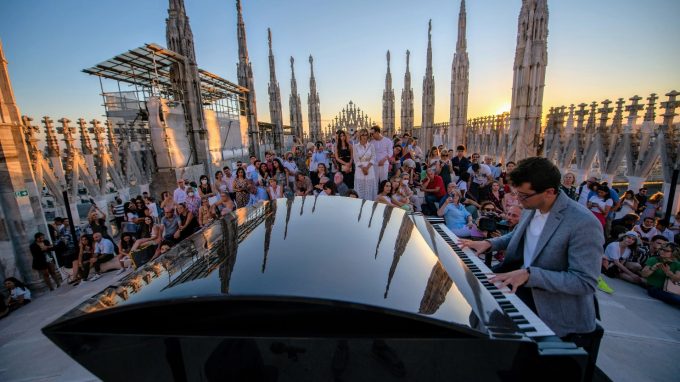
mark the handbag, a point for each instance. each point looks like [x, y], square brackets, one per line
[671, 287]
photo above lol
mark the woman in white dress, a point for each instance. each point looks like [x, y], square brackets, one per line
[364, 159]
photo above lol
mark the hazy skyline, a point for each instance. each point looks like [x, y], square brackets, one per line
[596, 49]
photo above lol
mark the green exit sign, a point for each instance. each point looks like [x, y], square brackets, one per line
[21, 193]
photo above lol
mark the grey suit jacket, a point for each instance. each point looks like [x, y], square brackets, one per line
[566, 266]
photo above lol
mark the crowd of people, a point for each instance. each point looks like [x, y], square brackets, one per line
[473, 196]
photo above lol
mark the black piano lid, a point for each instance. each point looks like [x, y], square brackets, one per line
[332, 249]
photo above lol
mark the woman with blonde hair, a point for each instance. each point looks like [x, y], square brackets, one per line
[653, 206]
[567, 186]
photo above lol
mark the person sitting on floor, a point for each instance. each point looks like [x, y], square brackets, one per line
[615, 262]
[19, 295]
[662, 269]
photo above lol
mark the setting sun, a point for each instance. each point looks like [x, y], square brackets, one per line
[504, 108]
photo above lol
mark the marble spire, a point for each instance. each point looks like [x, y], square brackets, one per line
[428, 84]
[294, 103]
[531, 59]
[313, 105]
[245, 79]
[407, 100]
[275, 100]
[388, 102]
[185, 78]
[460, 79]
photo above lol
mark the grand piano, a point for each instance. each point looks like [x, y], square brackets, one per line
[314, 289]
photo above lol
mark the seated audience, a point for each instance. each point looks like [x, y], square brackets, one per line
[19, 294]
[661, 269]
[615, 262]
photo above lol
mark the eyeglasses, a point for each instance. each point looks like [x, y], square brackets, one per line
[522, 196]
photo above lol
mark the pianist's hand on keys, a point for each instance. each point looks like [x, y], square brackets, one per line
[478, 246]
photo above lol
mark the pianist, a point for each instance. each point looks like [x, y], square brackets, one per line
[553, 256]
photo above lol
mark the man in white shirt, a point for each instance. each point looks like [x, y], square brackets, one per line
[495, 171]
[383, 151]
[319, 156]
[229, 178]
[251, 170]
[180, 195]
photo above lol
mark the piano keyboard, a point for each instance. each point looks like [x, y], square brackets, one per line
[525, 319]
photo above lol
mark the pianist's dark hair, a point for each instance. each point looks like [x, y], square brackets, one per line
[541, 173]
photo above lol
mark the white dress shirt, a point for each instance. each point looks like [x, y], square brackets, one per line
[531, 235]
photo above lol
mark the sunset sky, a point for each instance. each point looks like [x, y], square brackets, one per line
[597, 49]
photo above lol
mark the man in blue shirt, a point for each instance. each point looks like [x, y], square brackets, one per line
[257, 194]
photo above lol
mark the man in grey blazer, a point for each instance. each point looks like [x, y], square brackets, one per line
[553, 256]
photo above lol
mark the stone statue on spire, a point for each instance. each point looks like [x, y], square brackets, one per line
[388, 102]
[460, 79]
[275, 100]
[428, 85]
[407, 100]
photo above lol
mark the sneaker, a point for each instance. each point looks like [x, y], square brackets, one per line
[95, 277]
[602, 285]
[121, 271]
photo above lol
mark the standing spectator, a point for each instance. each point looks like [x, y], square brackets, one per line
[205, 189]
[653, 206]
[279, 173]
[193, 201]
[460, 162]
[641, 197]
[300, 160]
[383, 152]
[241, 188]
[64, 245]
[118, 210]
[627, 205]
[343, 156]
[180, 194]
[220, 182]
[103, 252]
[433, 187]
[251, 170]
[495, 170]
[601, 203]
[568, 186]
[291, 169]
[365, 181]
[19, 294]
[318, 156]
[659, 270]
[584, 190]
[480, 176]
[263, 175]
[42, 260]
[229, 178]
[504, 176]
[445, 167]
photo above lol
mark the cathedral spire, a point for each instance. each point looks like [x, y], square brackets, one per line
[531, 59]
[294, 103]
[460, 74]
[313, 105]
[461, 44]
[186, 80]
[407, 100]
[275, 99]
[428, 85]
[245, 79]
[388, 102]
